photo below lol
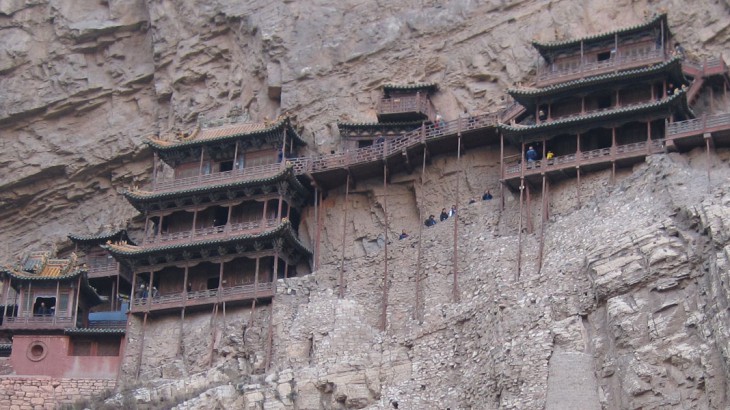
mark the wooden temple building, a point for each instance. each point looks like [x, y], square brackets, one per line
[46, 305]
[111, 280]
[221, 218]
[402, 108]
[607, 101]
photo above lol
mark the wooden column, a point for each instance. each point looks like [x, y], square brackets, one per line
[519, 232]
[76, 305]
[276, 266]
[220, 279]
[155, 164]
[648, 137]
[613, 155]
[315, 259]
[159, 227]
[319, 229]
[529, 209]
[708, 141]
[230, 214]
[149, 289]
[278, 209]
[7, 284]
[384, 302]
[235, 158]
[146, 227]
[195, 223]
[419, 297]
[256, 278]
[132, 294]
[578, 189]
[344, 234]
[200, 167]
[263, 218]
[455, 263]
[501, 171]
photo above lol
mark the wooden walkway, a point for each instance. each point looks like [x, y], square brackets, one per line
[173, 301]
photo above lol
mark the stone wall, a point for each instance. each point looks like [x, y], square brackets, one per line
[28, 393]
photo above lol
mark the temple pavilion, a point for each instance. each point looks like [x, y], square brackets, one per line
[46, 305]
[602, 101]
[221, 218]
[402, 108]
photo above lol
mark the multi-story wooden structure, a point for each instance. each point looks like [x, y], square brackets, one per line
[602, 101]
[401, 109]
[46, 313]
[222, 213]
[105, 274]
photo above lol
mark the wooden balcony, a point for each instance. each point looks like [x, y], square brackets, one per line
[394, 149]
[103, 271]
[172, 301]
[547, 76]
[213, 232]
[417, 107]
[705, 68]
[590, 160]
[685, 135]
[260, 171]
[38, 322]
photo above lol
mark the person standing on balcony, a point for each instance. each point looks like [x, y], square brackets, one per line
[431, 221]
[531, 154]
[487, 196]
[452, 211]
[550, 155]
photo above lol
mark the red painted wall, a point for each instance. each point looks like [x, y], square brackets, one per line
[56, 362]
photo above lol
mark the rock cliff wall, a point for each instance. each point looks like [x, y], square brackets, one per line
[631, 299]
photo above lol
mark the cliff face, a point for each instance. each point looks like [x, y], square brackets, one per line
[627, 311]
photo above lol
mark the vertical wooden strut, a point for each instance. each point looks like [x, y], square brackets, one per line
[456, 224]
[344, 233]
[270, 341]
[417, 312]
[316, 219]
[542, 223]
[501, 171]
[141, 346]
[384, 313]
[519, 233]
[708, 137]
[529, 209]
[577, 170]
[319, 226]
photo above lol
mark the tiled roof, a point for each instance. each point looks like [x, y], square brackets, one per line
[370, 125]
[137, 197]
[409, 87]
[206, 135]
[95, 331]
[517, 130]
[284, 229]
[38, 266]
[6, 346]
[100, 237]
[521, 93]
[545, 47]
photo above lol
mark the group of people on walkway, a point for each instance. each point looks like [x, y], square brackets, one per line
[445, 214]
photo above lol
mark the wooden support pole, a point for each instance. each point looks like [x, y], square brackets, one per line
[501, 171]
[76, 305]
[455, 261]
[519, 233]
[319, 229]
[577, 170]
[344, 242]
[149, 289]
[417, 312]
[195, 223]
[315, 258]
[529, 209]
[708, 139]
[270, 338]
[180, 344]
[542, 223]
[7, 284]
[141, 346]
[156, 160]
[384, 312]
[200, 168]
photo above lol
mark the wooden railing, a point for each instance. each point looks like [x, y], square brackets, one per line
[417, 103]
[394, 146]
[546, 75]
[215, 177]
[107, 324]
[513, 169]
[706, 67]
[38, 322]
[213, 232]
[173, 300]
[107, 269]
[696, 126]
